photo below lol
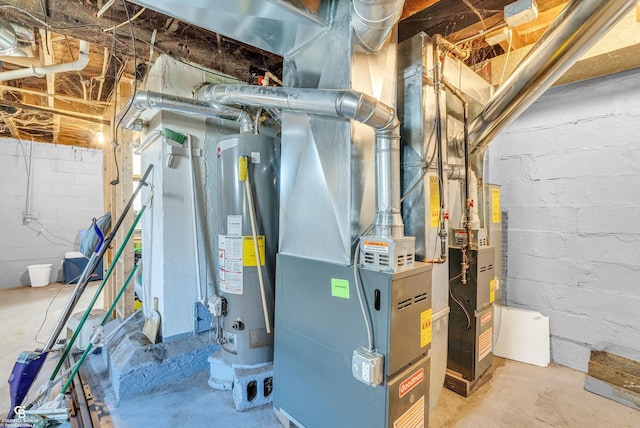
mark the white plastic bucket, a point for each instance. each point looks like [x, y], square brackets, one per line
[39, 275]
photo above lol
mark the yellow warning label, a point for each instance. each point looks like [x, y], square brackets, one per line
[492, 290]
[434, 200]
[242, 170]
[412, 418]
[496, 215]
[249, 252]
[425, 328]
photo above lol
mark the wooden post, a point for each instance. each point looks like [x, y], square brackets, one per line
[116, 198]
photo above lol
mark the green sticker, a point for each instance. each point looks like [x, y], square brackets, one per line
[340, 288]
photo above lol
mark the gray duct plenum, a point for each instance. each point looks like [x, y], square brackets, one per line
[580, 25]
[373, 20]
[144, 100]
[337, 103]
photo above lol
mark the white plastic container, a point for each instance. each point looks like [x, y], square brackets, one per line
[39, 274]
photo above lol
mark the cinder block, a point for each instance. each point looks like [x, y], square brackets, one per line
[598, 304]
[252, 387]
[538, 243]
[581, 328]
[618, 248]
[549, 218]
[532, 193]
[622, 219]
[613, 277]
[570, 353]
[529, 294]
[613, 190]
[547, 269]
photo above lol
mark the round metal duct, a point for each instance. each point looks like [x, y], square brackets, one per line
[8, 39]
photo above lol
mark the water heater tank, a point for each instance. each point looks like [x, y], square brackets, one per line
[244, 330]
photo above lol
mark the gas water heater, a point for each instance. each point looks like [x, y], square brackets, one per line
[247, 219]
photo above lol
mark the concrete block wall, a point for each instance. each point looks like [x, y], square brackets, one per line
[66, 193]
[570, 175]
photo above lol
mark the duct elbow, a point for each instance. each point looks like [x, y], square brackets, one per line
[373, 20]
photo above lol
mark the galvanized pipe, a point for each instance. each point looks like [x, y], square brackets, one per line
[373, 20]
[336, 103]
[580, 25]
[144, 100]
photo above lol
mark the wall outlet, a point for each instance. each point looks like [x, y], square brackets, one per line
[367, 366]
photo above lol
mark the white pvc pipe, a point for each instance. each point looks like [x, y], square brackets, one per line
[42, 71]
[194, 212]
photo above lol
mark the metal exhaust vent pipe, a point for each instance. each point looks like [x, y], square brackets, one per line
[129, 116]
[580, 25]
[8, 38]
[337, 103]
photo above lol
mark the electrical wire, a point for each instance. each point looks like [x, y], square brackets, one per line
[44, 23]
[135, 61]
[466, 313]
[43, 229]
[46, 313]
[360, 292]
[140, 12]
[506, 59]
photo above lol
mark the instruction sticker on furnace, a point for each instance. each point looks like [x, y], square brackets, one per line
[230, 270]
[376, 247]
[425, 328]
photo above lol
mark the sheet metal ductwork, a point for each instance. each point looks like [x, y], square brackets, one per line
[580, 25]
[373, 20]
[129, 116]
[337, 103]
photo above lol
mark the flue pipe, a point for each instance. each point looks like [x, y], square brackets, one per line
[373, 20]
[144, 100]
[41, 71]
[580, 25]
[337, 103]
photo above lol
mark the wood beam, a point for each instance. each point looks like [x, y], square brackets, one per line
[448, 17]
[75, 115]
[61, 97]
[411, 7]
[78, 19]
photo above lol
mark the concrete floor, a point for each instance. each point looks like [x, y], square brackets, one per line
[22, 311]
[519, 395]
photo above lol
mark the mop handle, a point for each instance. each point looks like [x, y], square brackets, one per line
[91, 266]
[104, 321]
[87, 312]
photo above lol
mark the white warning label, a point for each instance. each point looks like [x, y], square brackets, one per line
[376, 247]
[234, 225]
[485, 344]
[230, 270]
[412, 418]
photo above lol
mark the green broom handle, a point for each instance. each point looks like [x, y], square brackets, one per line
[104, 321]
[97, 294]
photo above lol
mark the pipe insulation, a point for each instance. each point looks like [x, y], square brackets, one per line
[373, 20]
[347, 104]
[129, 116]
[42, 71]
[578, 27]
